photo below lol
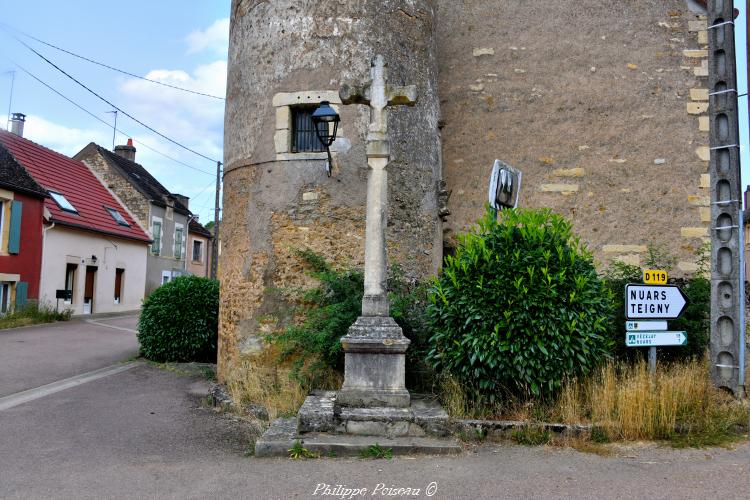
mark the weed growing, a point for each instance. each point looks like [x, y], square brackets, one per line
[377, 451]
[34, 315]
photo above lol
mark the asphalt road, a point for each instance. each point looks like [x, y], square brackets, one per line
[143, 433]
[36, 355]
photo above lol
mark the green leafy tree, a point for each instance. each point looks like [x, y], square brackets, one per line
[519, 307]
[179, 321]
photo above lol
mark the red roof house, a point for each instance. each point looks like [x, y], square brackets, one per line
[90, 242]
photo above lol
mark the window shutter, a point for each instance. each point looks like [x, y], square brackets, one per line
[22, 295]
[14, 241]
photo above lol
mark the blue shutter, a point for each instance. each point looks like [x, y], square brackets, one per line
[14, 241]
[22, 295]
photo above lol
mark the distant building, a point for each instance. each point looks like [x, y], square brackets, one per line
[199, 249]
[91, 246]
[162, 214]
[21, 213]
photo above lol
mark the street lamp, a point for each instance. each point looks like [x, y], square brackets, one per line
[322, 118]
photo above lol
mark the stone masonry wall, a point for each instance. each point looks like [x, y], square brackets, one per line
[276, 202]
[600, 104]
[136, 203]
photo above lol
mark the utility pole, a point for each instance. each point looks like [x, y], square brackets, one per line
[217, 218]
[727, 344]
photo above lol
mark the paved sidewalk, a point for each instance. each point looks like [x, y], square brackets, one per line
[36, 355]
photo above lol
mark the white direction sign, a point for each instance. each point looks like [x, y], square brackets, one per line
[653, 301]
[647, 326]
[653, 339]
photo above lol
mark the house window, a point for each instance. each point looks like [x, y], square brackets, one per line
[4, 298]
[156, 231]
[70, 279]
[178, 230]
[119, 275]
[166, 277]
[197, 251]
[117, 216]
[63, 202]
[304, 138]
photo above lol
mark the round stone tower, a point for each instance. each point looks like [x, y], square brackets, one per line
[285, 57]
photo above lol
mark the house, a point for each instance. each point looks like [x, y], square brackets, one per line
[163, 215]
[93, 253]
[21, 213]
[601, 105]
[199, 248]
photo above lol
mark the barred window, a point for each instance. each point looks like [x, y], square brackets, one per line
[304, 138]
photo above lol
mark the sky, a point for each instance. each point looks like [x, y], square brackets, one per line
[183, 43]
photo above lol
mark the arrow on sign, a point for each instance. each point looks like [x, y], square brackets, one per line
[653, 301]
[652, 339]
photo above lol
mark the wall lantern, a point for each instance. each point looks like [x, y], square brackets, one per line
[93, 259]
[322, 118]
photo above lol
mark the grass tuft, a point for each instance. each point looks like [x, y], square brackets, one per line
[34, 315]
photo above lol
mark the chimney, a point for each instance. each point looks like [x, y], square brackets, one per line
[182, 199]
[127, 152]
[16, 123]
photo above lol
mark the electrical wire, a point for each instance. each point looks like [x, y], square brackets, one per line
[106, 123]
[115, 107]
[111, 67]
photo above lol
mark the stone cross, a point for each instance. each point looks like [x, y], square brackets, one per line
[375, 347]
[378, 94]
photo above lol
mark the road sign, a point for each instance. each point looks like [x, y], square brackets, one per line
[653, 301]
[505, 186]
[645, 326]
[654, 277]
[652, 339]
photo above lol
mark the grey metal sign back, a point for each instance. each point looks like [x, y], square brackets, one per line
[505, 186]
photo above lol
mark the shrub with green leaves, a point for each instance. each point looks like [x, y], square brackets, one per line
[179, 321]
[329, 309]
[519, 307]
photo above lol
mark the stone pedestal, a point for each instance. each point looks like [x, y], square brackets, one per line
[375, 355]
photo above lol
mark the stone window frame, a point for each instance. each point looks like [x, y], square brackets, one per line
[283, 103]
[6, 197]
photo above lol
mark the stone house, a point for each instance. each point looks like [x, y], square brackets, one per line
[602, 105]
[91, 247]
[162, 214]
[199, 248]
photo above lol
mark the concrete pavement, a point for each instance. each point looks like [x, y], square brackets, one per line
[145, 433]
[37, 355]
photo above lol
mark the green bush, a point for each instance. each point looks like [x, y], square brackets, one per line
[519, 307]
[179, 321]
[328, 310]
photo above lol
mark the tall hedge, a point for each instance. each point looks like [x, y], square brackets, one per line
[179, 321]
[519, 307]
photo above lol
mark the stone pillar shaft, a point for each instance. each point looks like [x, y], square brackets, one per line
[375, 300]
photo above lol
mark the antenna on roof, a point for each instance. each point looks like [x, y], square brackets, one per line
[114, 128]
[10, 99]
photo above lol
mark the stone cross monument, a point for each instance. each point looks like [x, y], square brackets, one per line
[375, 347]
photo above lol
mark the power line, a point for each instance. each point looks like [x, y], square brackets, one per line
[105, 122]
[112, 67]
[111, 104]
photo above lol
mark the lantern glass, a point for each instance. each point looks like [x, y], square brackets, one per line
[322, 118]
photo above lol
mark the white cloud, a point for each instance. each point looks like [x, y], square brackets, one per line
[215, 38]
[61, 138]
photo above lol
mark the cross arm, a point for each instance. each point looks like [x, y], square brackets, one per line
[404, 96]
